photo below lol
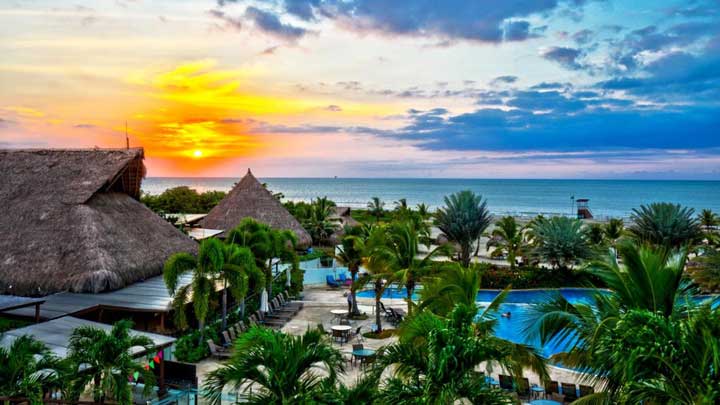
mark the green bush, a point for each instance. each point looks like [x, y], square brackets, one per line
[496, 277]
[184, 200]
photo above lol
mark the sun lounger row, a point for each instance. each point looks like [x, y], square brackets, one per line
[282, 309]
[342, 280]
[228, 335]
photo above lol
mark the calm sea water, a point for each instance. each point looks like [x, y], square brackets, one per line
[608, 198]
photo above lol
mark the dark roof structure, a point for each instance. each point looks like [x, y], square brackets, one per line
[249, 199]
[72, 222]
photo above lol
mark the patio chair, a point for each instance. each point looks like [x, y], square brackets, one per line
[586, 390]
[272, 315]
[331, 281]
[358, 336]
[552, 387]
[395, 317]
[523, 387]
[252, 320]
[387, 313]
[356, 347]
[290, 299]
[569, 391]
[506, 382]
[216, 351]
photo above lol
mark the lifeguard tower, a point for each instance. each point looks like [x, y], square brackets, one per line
[583, 209]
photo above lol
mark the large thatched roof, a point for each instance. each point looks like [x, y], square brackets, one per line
[72, 221]
[249, 199]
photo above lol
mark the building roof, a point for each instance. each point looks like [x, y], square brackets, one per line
[249, 199]
[10, 302]
[73, 223]
[56, 335]
[150, 295]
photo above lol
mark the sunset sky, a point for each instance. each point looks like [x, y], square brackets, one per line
[371, 88]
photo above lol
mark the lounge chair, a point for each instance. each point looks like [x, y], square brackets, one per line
[252, 320]
[270, 322]
[395, 317]
[227, 340]
[506, 382]
[231, 332]
[586, 390]
[279, 309]
[344, 280]
[331, 281]
[569, 391]
[388, 314]
[286, 302]
[216, 351]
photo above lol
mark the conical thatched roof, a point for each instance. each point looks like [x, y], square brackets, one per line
[72, 221]
[249, 199]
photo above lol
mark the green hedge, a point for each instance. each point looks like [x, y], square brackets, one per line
[533, 277]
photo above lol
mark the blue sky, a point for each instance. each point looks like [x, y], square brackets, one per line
[370, 88]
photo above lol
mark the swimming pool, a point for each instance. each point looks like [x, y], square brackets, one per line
[518, 304]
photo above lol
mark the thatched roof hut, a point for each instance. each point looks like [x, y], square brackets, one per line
[249, 199]
[72, 221]
[342, 216]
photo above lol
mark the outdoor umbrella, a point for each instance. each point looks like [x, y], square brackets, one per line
[264, 302]
[287, 279]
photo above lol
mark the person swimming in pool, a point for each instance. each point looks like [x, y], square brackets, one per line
[506, 314]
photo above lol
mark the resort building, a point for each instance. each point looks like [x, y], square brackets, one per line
[250, 199]
[78, 235]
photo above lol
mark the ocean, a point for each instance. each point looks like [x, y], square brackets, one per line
[608, 198]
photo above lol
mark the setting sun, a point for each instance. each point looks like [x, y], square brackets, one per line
[198, 153]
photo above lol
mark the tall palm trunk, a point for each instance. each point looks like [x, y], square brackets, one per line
[465, 255]
[409, 289]
[353, 273]
[378, 297]
[201, 325]
[224, 305]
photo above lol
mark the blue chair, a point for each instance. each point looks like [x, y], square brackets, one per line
[331, 281]
[344, 280]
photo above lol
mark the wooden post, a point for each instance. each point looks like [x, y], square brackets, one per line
[161, 384]
[162, 321]
[37, 313]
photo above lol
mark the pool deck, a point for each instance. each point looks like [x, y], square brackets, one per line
[319, 301]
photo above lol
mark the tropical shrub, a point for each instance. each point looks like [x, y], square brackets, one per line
[560, 241]
[183, 200]
[645, 337]
[665, 225]
[109, 360]
[463, 220]
[280, 368]
[21, 369]
[507, 239]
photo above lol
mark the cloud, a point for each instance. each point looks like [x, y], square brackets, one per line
[333, 108]
[582, 37]
[230, 22]
[504, 80]
[270, 24]
[84, 126]
[566, 57]
[450, 20]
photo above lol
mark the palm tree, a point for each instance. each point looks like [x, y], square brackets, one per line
[350, 254]
[318, 222]
[230, 265]
[650, 281]
[707, 219]
[614, 230]
[109, 361]
[560, 241]
[265, 243]
[376, 208]
[424, 211]
[27, 369]
[507, 239]
[435, 359]
[398, 249]
[665, 225]
[271, 367]
[463, 220]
